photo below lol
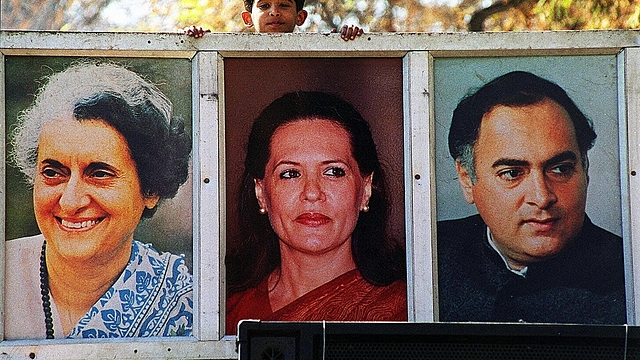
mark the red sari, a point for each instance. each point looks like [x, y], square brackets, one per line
[346, 298]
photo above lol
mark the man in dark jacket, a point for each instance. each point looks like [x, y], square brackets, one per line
[520, 146]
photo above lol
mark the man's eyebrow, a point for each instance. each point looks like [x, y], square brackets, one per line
[563, 156]
[509, 162]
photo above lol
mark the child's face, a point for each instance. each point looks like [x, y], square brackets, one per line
[274, 16]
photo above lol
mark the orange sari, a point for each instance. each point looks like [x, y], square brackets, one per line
[346, 298]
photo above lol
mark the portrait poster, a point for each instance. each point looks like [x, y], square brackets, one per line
[372, 85]
[170, 229]
[590, 81]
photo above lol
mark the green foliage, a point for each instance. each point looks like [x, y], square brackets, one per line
[585, 14]
[216, 15]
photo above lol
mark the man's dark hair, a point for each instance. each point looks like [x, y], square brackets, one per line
[517, 88]
[248, 4]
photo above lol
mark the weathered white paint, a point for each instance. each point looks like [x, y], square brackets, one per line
[418, 51]
[149, 348]
[317, 45]
[208, 173]
[629, 78]
[3, 206]
[420, 189]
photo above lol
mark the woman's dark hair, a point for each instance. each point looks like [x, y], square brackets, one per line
[136, 108]
[160, 150]
[256, 254]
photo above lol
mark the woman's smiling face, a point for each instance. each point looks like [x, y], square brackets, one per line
[87, 196]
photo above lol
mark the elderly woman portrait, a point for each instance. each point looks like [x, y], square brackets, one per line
[101, 149]
[313, 211]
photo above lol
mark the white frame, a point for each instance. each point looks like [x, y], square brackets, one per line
[3, 190]
[418, 51]
[629, 93]
[419, 187]
[208, 111]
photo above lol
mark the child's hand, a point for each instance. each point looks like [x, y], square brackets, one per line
[195, 31]
[350, 32]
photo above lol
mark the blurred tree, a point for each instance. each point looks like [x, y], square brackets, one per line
[216, 15]
[325, 15]
[556, 15]
[49, 14]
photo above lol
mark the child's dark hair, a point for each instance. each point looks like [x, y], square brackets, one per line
[248, 5]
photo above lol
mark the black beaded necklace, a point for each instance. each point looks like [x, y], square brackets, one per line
[44, 290]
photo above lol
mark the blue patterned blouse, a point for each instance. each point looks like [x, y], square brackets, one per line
[152, 297]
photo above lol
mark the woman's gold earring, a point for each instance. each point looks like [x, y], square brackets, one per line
[262, 211]
[365, 208]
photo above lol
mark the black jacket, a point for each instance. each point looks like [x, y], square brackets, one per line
[584, 284]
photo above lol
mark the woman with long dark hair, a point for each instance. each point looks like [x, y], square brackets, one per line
[313, 212]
